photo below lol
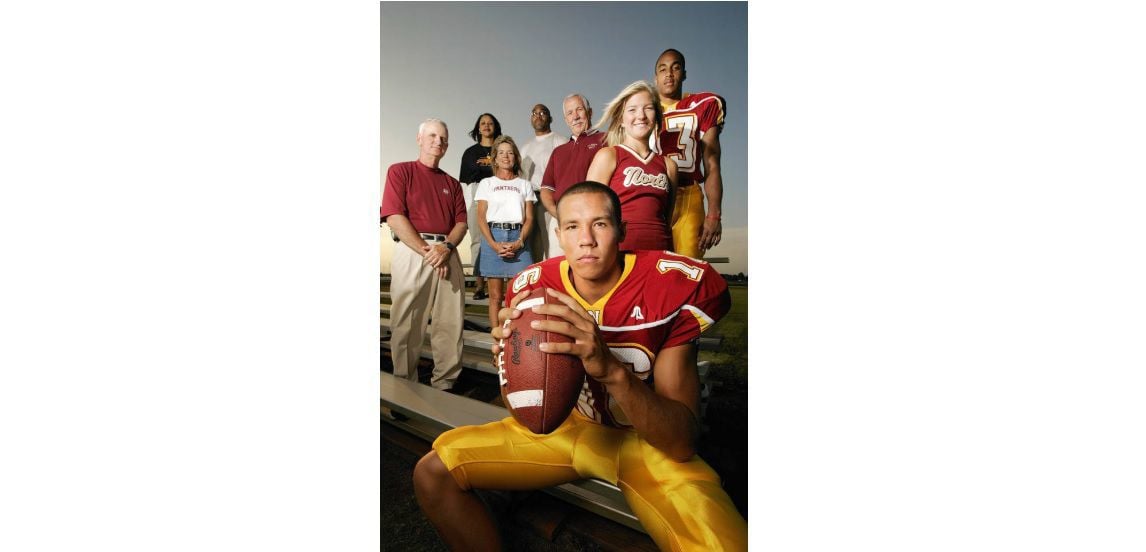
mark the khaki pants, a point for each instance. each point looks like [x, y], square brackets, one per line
[419, 295]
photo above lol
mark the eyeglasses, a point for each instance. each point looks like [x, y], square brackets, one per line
[539, 113]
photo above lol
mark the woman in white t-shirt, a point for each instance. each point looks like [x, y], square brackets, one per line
[502, 206]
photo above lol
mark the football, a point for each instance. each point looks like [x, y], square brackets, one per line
[539, 389]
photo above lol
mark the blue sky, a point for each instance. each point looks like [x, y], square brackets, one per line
[456, 60]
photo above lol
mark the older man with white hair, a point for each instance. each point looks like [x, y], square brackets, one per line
[426, 211]
[570, 161]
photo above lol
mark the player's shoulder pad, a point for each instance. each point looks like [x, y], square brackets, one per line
[699, 97]
[711, 104]
[533, 276]
[691, 286]
[679, 268]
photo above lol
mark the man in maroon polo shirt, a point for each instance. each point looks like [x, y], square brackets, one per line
[426, 211]
[570, 161]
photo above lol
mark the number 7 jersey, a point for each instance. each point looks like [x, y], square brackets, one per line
[662, 300]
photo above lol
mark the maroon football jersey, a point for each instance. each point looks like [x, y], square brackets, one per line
[662, 300]
[642, 184]
[682, 128]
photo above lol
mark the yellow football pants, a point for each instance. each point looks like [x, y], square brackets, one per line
[680, 505]
[688, 221]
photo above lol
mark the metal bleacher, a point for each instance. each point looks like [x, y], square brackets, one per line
[431, 412]
[476, 346]
[427, 412]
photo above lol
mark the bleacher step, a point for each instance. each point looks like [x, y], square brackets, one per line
[432, 412]
[704, 343]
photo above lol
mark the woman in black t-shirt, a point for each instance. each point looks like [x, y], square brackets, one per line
[477, 163]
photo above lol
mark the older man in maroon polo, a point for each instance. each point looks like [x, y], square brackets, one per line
[426, 212]
[570, 161]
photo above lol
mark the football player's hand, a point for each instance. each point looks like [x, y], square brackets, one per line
[710, 234]
[577, 324]
[498, 332]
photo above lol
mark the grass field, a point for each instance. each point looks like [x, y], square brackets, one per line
[724, 445]
[731, 361]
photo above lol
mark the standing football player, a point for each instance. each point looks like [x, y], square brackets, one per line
[690, 134]
[634, 318]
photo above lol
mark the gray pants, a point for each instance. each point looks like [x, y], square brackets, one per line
[474, 234]
[541, 234]
[554, 245]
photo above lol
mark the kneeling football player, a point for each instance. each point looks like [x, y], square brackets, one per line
[634, 317]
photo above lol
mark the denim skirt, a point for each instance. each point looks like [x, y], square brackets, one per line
[493, 266]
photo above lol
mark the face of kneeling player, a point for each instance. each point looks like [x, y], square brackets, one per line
[590, 236]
